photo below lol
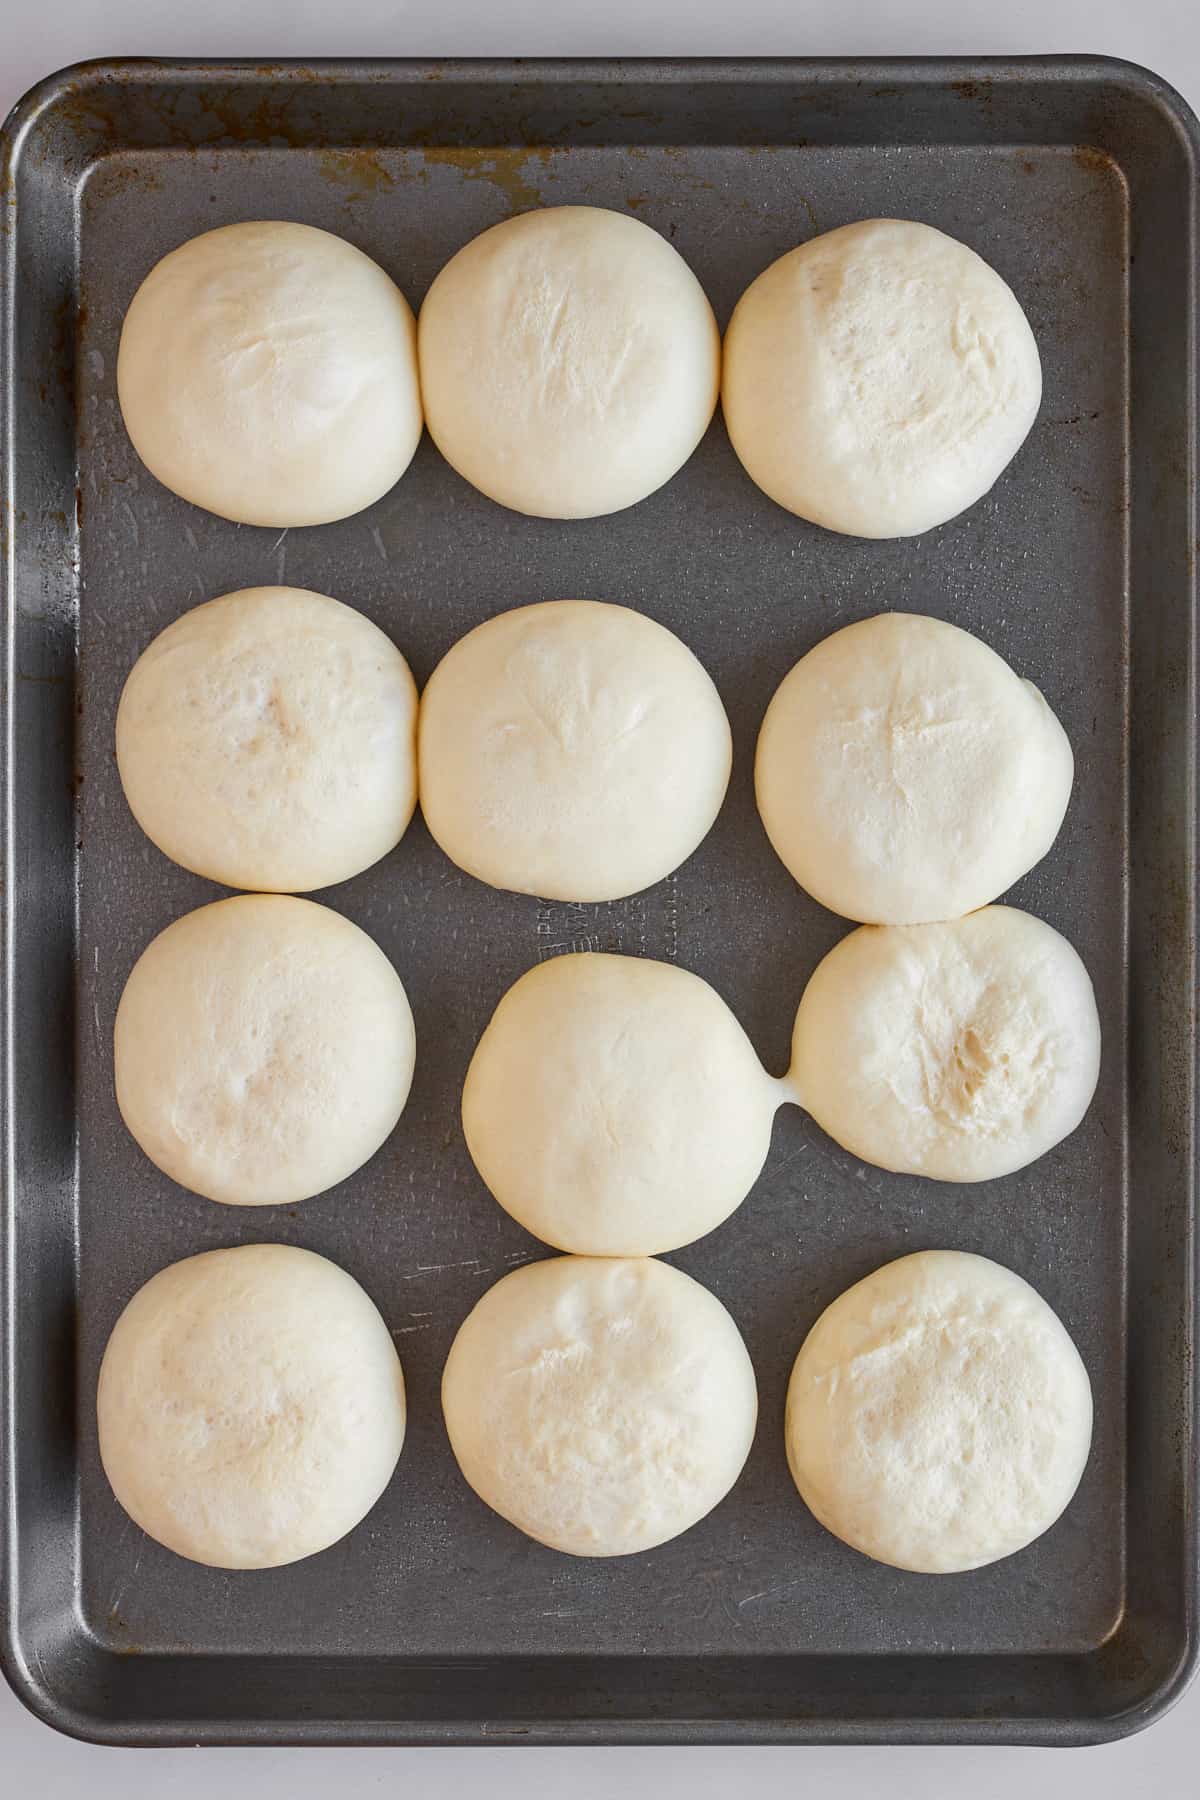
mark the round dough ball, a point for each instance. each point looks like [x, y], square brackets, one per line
[879, 378]
[615, 1107]
[961, 1051]
[570, 362]
[573, 750]
[268, 372]
[251, 1406]
[264, 1050]
[268, 740]
[938, 1416]
[601, 1405]
[905, 773]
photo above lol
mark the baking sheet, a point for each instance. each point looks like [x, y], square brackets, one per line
[435, 1621]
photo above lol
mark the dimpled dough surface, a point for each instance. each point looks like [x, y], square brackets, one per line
[938, 1415]
[574, 750]
[905, 773]
[569, 361]
[600, 1405]
[615, 1107]
[250, 1406]
[263, 1049]
[961, 1051]
[267, 740]
[268, 372]
[878, 379]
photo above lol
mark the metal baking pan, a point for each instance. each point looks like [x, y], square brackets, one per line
[435, 1622]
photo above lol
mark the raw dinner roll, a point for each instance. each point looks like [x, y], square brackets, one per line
[905, 773]
[938, 1416]
[268, 372]
[600, 1405]
[879, 378]
[569, 362]
[573, 750]
[268, 740]
[615, 1107]
[263, 1049]
[251, 1406]
[961, 1051]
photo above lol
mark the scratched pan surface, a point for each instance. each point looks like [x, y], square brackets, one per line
[436, 1622]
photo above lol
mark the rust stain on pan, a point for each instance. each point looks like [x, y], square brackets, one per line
[505, 166]
[361, 171]
[977, 92]
[127, 176]
[1095, 161]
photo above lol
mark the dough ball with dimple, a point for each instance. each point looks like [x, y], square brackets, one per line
[939, 1416]
[905, 773]
[615, 1107]
[601, 1405]
[268, 372]
[268, 740]
[263, 1050]
[878, 379]
[569, 362]
[250, 1406]
[573, 750]
[962, 1050]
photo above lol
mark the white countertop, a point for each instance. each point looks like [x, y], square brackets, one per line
[34, 40]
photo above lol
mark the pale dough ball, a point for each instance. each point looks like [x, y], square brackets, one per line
[615, 1107]
[573, 750]
[600, 1405]
[569, 362]
[905, 773]
[251, 1406]
[879, 378]
[268, 372]
[938, 1416]
[962, 1050]
[264, 1049]
[268, 740]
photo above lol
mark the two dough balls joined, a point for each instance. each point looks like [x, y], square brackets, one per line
[570, 362]
[263, 1049]
[878, 379]
[615, 1107]
[268, 372]
[961, 1051]
[600, 1405]
[251, 1406]
[905, 773]
[573, 750]
[938, 1415]
[268, 740]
